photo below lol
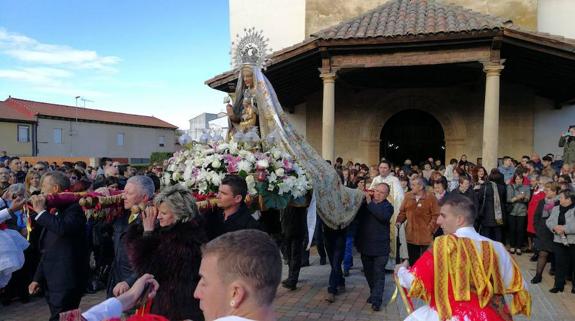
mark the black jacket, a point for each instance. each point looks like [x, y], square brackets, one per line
[372, 237]
[121, 267]
[240, 220]
[294, 222]
[64, 257]
[173, 255]
[485, 199]
[471, 195]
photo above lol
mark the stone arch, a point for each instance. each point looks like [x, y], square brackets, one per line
[452, 121]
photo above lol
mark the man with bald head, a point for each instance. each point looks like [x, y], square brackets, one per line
[373, 240]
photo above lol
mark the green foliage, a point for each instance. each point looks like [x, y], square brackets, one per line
[271, 199]
[159, 157]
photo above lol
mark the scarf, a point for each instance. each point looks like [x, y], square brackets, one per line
[497, 204]
[547, 207]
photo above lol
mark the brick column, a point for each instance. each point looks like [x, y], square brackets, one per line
[328, 117]
[491, 114]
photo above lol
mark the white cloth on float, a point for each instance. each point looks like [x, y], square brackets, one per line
[12, 246]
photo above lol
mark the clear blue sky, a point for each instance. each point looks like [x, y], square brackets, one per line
[148, 57]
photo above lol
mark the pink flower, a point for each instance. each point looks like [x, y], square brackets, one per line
[288, 166]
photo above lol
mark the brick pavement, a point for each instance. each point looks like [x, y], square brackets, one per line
[307, 302]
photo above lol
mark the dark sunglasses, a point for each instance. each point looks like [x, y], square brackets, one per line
[39, 168]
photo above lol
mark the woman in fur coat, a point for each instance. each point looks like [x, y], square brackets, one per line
[170, 251]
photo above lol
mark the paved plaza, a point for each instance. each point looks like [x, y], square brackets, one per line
[307, 302]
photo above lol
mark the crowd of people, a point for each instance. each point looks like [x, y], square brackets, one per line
[196, 265]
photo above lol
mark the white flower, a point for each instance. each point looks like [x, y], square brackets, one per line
[198, 162]
[171, 167]
[166, 179]
[209, 151]
[176, 176]
[272, 178]
[280, 172]
[244, 165]
[222, 147]
[216, 163]
[276, 153]
[203, 187]
[215, 178]
[251, 182]
[262, 163]
[188, 172]
[233, 148]
[250, 158]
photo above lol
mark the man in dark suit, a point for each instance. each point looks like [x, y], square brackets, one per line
[234, 214]
[139, 190]
[373, 241]
[63, 267]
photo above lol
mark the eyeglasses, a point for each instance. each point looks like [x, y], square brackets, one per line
[39, 168]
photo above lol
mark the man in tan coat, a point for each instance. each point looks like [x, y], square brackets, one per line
[420, 210]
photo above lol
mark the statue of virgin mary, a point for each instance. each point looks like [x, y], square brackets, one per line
[336, 204]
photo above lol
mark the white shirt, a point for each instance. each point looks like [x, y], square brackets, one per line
[109, 309]
[233, 318]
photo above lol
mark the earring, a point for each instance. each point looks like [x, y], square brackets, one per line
[233, 303]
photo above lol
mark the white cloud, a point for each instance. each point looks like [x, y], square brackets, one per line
[37, 75]
[29, 50]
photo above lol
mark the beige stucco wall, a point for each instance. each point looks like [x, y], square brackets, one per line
[283, 22]
[98, 140]
[321, 14]
[9, 139]
[360, 117]
[556, 17]
[298, 119]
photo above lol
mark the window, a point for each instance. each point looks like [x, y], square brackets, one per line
[120, 139]
[57, 135]
[139, 161]
[23, 133]
[162, 141]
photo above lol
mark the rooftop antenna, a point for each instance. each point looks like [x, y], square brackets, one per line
[86, 100]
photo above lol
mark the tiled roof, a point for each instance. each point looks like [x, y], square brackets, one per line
[398, 18]
[8, 112]
[35, 108]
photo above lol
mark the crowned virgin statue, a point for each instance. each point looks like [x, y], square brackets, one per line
[256, 106]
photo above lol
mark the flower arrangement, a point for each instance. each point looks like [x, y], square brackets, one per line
[272, 174]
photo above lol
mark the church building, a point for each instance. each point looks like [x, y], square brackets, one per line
[419, 78]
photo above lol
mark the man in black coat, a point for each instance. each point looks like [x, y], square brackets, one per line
[234, 214]
[373, 241]
[139, 190]
[63, 267]
[294, 227]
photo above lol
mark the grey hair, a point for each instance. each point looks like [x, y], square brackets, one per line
[420, 180]
[144, 183]
[385, 184]
[180, 200]
[18, 189]
[544, 180]
[58, 178]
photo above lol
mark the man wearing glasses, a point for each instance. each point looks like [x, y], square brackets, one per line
[40, 168]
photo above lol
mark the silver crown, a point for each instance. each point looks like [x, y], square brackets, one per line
[251, 49]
